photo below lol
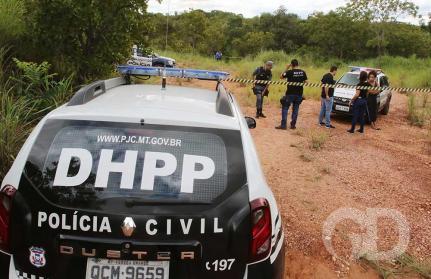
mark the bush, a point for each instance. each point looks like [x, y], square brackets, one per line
[24, 99]
[34, 81]
[318, 140]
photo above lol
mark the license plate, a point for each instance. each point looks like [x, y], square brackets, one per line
[342, 108]
[122, 269]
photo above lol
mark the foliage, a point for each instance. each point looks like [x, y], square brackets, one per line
[343, 33]
[84, 37]
[337, 34]
[11, 21]
[380, 12]
[25, 98]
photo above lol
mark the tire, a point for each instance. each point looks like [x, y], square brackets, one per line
[385, 110]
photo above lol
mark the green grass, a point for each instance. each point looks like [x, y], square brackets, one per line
[419, 109]
[405, 266]
[402, 72]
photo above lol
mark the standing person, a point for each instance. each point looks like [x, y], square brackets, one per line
[359, 102]
[327, 98]
[293, 93]
[261, 89]
[218, 55]
[372, 99]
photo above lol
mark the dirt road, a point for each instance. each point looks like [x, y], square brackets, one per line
[390, 168]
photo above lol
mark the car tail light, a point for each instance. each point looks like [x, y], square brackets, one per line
[6, 196]
[261, 231]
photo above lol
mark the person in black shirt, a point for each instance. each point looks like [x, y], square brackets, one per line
[359, 102]
[261, 89]
[293, 94]
[327, 98]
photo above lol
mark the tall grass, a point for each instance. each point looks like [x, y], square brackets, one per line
[25, 98]
[419, 109]
[16, 121]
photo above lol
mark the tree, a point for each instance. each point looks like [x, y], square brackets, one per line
[288, 35]
[253, 42]
[85, 37]
[406, 40]
[336, 34]
[379, 12]
[426, 26]
[192, 26]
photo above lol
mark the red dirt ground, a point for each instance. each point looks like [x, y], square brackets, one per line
[390, 168]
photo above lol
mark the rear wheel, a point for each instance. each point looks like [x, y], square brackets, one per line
[385, 110]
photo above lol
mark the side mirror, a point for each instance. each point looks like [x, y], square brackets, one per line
[251, 122]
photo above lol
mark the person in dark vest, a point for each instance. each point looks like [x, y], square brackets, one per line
[263, 73]
[327, 98]
[293, 94]
[359, 102]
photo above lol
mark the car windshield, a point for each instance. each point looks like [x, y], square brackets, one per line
[349, 79]
[85, 164]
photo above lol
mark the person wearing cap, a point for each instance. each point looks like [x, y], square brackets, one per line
[293, 94]
[260, 89]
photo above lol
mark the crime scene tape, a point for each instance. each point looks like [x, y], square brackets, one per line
[320, 85]
[134, 70]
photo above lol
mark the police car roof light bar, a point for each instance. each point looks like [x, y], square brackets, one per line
[130, 70]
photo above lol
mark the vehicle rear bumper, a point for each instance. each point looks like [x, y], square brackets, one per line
[271, 268]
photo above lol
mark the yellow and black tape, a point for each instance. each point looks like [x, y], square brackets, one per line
[320, 85]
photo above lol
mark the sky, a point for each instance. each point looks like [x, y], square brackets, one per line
[250, 8]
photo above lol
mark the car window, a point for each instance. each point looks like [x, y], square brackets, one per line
[349, 79]
[97, 162]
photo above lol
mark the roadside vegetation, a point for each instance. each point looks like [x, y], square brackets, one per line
[419, 109]
[25, 97]
[404, 266]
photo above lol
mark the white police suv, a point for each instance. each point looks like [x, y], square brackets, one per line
[342, 96]
[132, 181]
[155, 60]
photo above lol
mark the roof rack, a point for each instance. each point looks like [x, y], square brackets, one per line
[95, 89]
[131, 70]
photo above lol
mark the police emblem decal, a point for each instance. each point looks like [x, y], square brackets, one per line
[37, 256]
[128, 226]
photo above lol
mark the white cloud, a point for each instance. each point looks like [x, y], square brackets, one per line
[251, 8]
